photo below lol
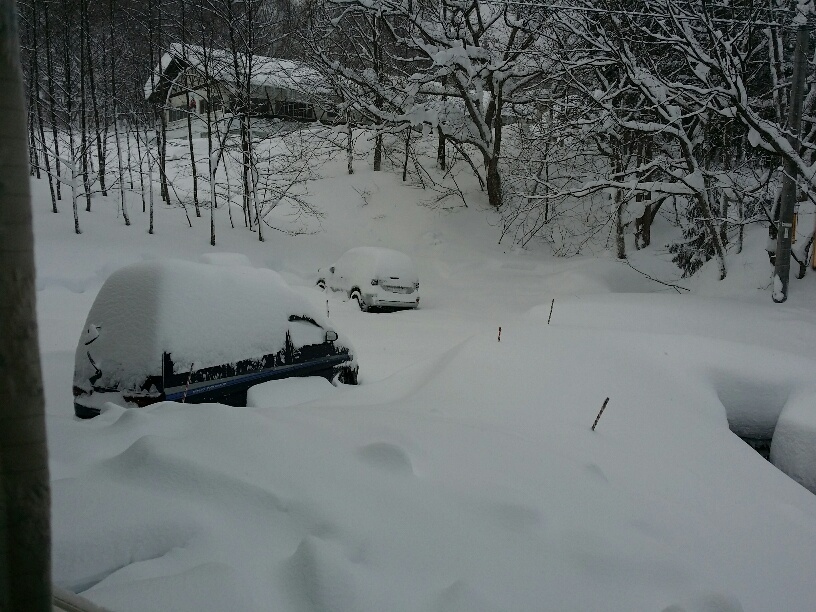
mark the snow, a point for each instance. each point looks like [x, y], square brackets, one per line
[803, 9]
[362, 264]
[794, 441]
[462, 473]
[289, 392]
[778, 289]
[225, 259]
[267, 72]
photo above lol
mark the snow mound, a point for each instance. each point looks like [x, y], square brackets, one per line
[288, 392]
[793, 449]
[476, 484]
[225, 259]
[713, 602]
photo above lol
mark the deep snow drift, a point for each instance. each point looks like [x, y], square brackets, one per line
[462, 474]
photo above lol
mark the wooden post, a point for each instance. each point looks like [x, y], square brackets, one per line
[598, 418]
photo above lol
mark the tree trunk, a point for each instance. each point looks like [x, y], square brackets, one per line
[713, 233]
[741, 235]
[189, 114]
[150, 38]
[38, 107]
[494, 117]
[165, 190]
[141, 171]
[83, 103]
[378, 145]
[211, 167]
[100, 152]
[25, 533]
[376, 51]
[643, 224]
[121, 169]
[76, 175]
[245, 169]
[643, 227]
[69, 116]
[350, 148]
[120, 161]
[127, 147]
[149, 179]
[32, 101]
[407, 154]
[253, 192]
[494, 193]
[46, 161]
[440, 148]
[620, 208]
[192, 158]
[49, 68]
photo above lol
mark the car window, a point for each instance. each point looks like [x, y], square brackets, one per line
[303, 332]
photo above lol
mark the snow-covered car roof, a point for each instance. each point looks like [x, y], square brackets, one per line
[380, 260]
[200, 314]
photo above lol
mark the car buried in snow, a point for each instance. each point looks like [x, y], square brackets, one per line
[171, 330]
[375, 277]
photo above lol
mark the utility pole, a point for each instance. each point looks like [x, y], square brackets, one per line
[788, 199]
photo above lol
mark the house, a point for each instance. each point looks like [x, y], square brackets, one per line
[189, 79]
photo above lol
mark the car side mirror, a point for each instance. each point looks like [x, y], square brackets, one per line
[331, 269]
[331, 336]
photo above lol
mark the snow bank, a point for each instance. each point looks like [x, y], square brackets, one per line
[472, 482]
[289, 392]
[225, 259]
[793, 449]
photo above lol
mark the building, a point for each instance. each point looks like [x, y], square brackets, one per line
[189, 79]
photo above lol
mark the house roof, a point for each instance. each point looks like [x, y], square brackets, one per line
[265, 72]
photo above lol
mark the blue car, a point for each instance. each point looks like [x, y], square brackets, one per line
[174, 330]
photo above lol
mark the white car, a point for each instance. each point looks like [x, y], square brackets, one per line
[375, 277]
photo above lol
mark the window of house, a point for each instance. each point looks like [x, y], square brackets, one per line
[295, 110]
[260, 105]
[176, 114]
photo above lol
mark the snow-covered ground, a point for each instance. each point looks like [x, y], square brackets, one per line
[462, 473]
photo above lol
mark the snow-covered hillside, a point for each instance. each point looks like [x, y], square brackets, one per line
[462, 473]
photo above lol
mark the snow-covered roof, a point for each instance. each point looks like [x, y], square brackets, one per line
[265, 72]
[376, 262]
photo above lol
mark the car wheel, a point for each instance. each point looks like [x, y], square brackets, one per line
[355, 295]
[321, 283]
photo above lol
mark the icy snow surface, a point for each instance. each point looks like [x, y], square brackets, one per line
[461, 474]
